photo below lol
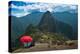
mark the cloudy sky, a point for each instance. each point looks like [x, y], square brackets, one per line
[21, 8]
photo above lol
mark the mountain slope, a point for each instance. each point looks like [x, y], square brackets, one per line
[49, 24]
[16, 30]
[69, 18]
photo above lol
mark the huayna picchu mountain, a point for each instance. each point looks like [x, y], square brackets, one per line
[49, 24]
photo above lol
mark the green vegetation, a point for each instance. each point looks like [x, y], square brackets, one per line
[47, 37]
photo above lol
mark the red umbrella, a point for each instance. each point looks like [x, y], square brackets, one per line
[26, 39]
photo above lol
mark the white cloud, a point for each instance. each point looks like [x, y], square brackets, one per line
[73, 7]
[19, 14]
[43, 7]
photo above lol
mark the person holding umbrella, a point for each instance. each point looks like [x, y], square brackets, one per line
[26, 40]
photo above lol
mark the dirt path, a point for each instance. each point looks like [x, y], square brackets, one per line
[41, 47]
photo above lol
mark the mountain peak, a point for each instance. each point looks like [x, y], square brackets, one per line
[47, 12]
[47, 23]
